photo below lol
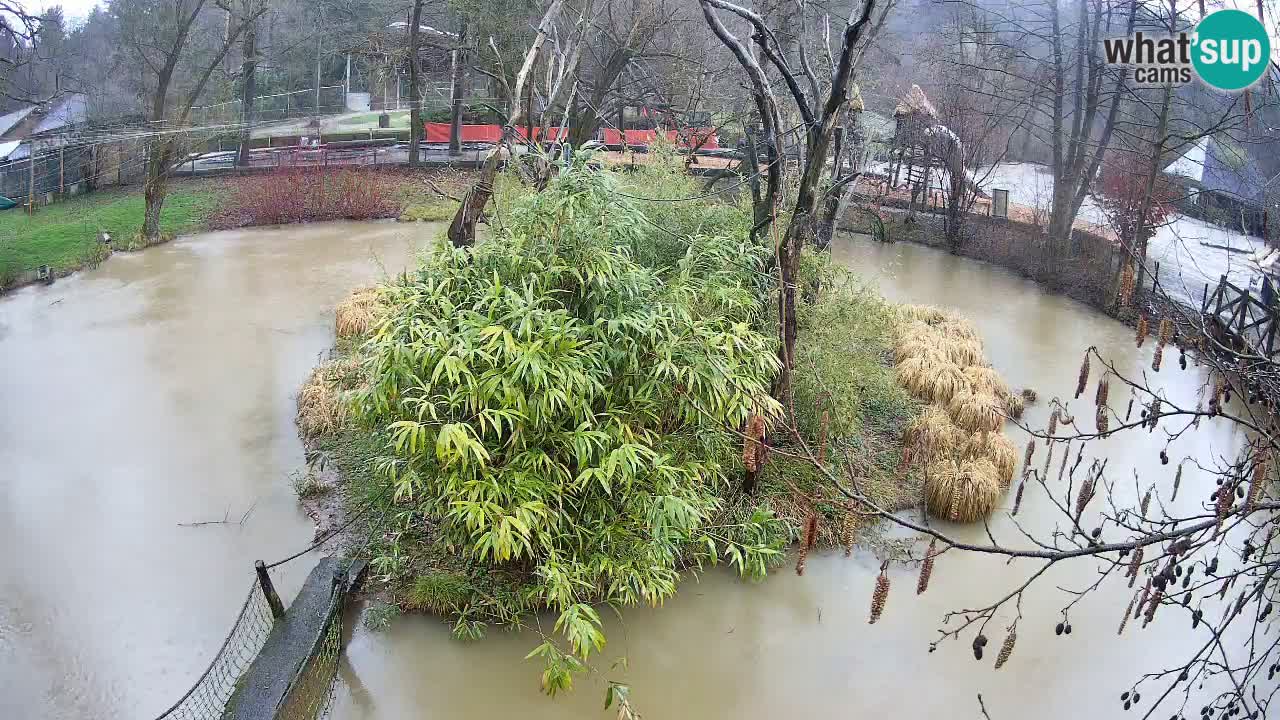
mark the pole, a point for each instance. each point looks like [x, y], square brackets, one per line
[31, 180]
[62, 174]
[269, 590]
[346, 83]
[319, 40]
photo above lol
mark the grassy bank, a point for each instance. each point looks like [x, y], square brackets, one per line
[65, 235]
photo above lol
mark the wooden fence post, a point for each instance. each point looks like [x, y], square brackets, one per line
[62, 176]
[269, 590]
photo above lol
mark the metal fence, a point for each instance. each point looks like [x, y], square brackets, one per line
[207, 698]
[220, 692]
[329, 100]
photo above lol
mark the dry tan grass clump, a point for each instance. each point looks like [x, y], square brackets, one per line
[995, 448]
[986, 380]
[961, 492]
[958, 329]
[1014, 406]
[357, 315]
[976, 412]
[968, 461]
[964, 352]
[322, 404]
[933, 436]
[928, 314]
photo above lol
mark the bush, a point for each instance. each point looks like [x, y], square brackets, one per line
[308, 195]
[557, 409]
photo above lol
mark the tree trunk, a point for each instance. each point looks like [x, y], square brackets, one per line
[415, 89]
[156, 187]
[249, 90]
[457, 91]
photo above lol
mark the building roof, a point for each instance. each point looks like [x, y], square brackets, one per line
[35, 119]
[1222, 166]
[13, 118]
[914, 102]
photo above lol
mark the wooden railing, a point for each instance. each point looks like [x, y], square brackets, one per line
[1241, 316]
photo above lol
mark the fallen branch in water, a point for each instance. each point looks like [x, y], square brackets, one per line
[226, 518]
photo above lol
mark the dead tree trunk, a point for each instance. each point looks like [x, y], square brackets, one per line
[457, 91]
[248, 93]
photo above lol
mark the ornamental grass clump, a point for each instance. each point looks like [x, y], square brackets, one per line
[356, 316]
[968, 463]
[558, 413]
[962, 492]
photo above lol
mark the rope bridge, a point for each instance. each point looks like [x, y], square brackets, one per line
[276, 663]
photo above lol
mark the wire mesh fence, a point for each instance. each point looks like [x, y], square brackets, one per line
[217, 693]
[327, 100]
[207, 698]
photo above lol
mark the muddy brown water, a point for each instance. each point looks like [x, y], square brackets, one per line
[158, 390]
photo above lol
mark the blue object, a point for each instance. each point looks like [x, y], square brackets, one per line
[6, 203]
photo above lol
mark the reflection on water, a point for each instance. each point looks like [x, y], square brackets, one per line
[158, 390]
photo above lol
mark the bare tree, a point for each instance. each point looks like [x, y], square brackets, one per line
[162, 37]
[819, 115]
[462, 231]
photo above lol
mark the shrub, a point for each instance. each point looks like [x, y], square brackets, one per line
[308, 195]
[556, 408]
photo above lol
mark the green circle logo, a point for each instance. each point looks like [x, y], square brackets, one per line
[1231, 49]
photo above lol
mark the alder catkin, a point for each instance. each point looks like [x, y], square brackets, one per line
[1085, 494]
[751, 444]
[1166, 331]
[1157, 357]
[1104, 389]
[822, 436]
[1083, 381]
[926, 567]
[1026, 460]
[1135, 564]
[1153, 416]
[806, 543]
[847, 531]
[1127, 612]
[881, 594]
[1053, 424]
[1017, 499]
[1259, 480]
[1007, 648]
[1128, 281]
[1152, 605]
[1142, 330]
[1177, 480]
[1146, 503]
[1226, 495]
[1142, 599]
[1103, 421]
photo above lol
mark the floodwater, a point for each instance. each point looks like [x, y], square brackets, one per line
[158, 390]
[153, 391]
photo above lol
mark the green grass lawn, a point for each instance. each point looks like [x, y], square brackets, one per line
[65, 235]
